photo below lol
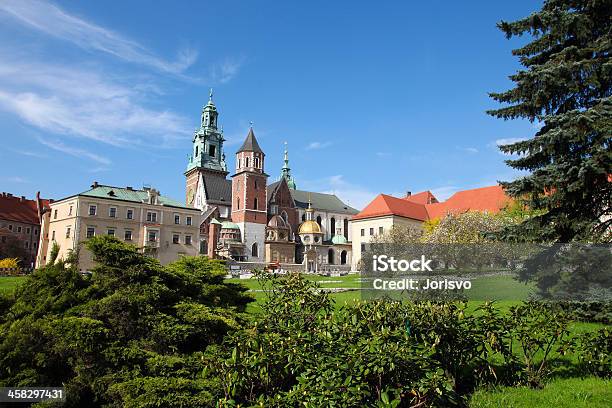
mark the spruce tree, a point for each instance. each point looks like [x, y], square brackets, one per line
[565, 86]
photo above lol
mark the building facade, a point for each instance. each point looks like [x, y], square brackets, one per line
[385, 212]
[164, 228]
[20, 228]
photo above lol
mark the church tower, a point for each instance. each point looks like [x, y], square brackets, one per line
[206, 163]
[249, 204]
[286, 171]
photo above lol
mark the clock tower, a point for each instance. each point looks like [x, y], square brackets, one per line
[206, 182]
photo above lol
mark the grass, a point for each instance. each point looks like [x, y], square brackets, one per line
[559, 393]
[503, 289]
[9, 283]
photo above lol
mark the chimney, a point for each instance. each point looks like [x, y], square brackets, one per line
[130, 188]
[408, 193]
[152, 194]
[94, 185]
[22, 199]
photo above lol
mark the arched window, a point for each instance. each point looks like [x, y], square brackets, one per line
[332, 226]
[343, 257]
[257, 162]
[255, 250]
[237, 203]
[246, 162]
[255, 183]
[303, 217]
[197, 150]
[330, 256]
[319, 220]
[255, 204]
[346, 229]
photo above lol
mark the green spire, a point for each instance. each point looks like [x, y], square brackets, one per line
[286, 171]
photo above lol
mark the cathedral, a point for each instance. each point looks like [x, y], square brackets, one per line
[256, 224]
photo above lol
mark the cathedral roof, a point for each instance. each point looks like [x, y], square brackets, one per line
[320, 201]
[218, 189]
[250, 143]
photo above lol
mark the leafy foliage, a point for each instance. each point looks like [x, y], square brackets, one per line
[131, 334]
[566, 85]
[302, 352]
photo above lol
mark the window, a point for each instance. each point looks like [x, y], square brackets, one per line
[151, 216]
[254, 250]
[127, 235]
[211, 150]
[35, 245]
[237, 203]
[10, 227]
[255, 204]
[177, 219]
[19, 229]
[188, 220]
[303, 217]
[93, 209]
[363, 247]
[130, 214]
[35, 231]
[246, 162]
[152, 236]
[91, 231]
[371, 231]
[67, 232]
[52, 235]
[110, 232]
[257, 162]
[112, 212]
[27, 244]
[196, 152]
[319, 221]
[362, 232]
[70, 211]
[55, 214]
[28, 229]
[381, 230]
[175, 238]
[255, 184]
[187, 239]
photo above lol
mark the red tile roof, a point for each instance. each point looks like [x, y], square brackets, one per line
[424, 206]
[388, 205]
[18, 209]
[424, 197]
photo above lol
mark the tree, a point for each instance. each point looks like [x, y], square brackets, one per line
[566, 86]
[130, 335]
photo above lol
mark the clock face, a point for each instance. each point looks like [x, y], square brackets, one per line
[190, 195]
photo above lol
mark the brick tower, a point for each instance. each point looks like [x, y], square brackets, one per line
[249, 204]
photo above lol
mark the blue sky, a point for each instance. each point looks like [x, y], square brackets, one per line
[371, 97]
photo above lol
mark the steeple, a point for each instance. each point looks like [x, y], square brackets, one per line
[286, 171]
[250, 143]
[207, 150]
[209, 113]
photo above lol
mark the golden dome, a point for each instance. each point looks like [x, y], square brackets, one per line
[309, 227]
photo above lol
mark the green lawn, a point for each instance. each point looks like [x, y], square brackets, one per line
[9, 283]
[559, 393]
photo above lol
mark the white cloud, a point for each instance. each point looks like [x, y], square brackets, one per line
[15, 179]
[225, 71]
[509, 140]
[318, 145]
[30, 154]
[80, 102]
[53, 21]
[472, 150]
[443, 192]
[73, 151]
[355, 195]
